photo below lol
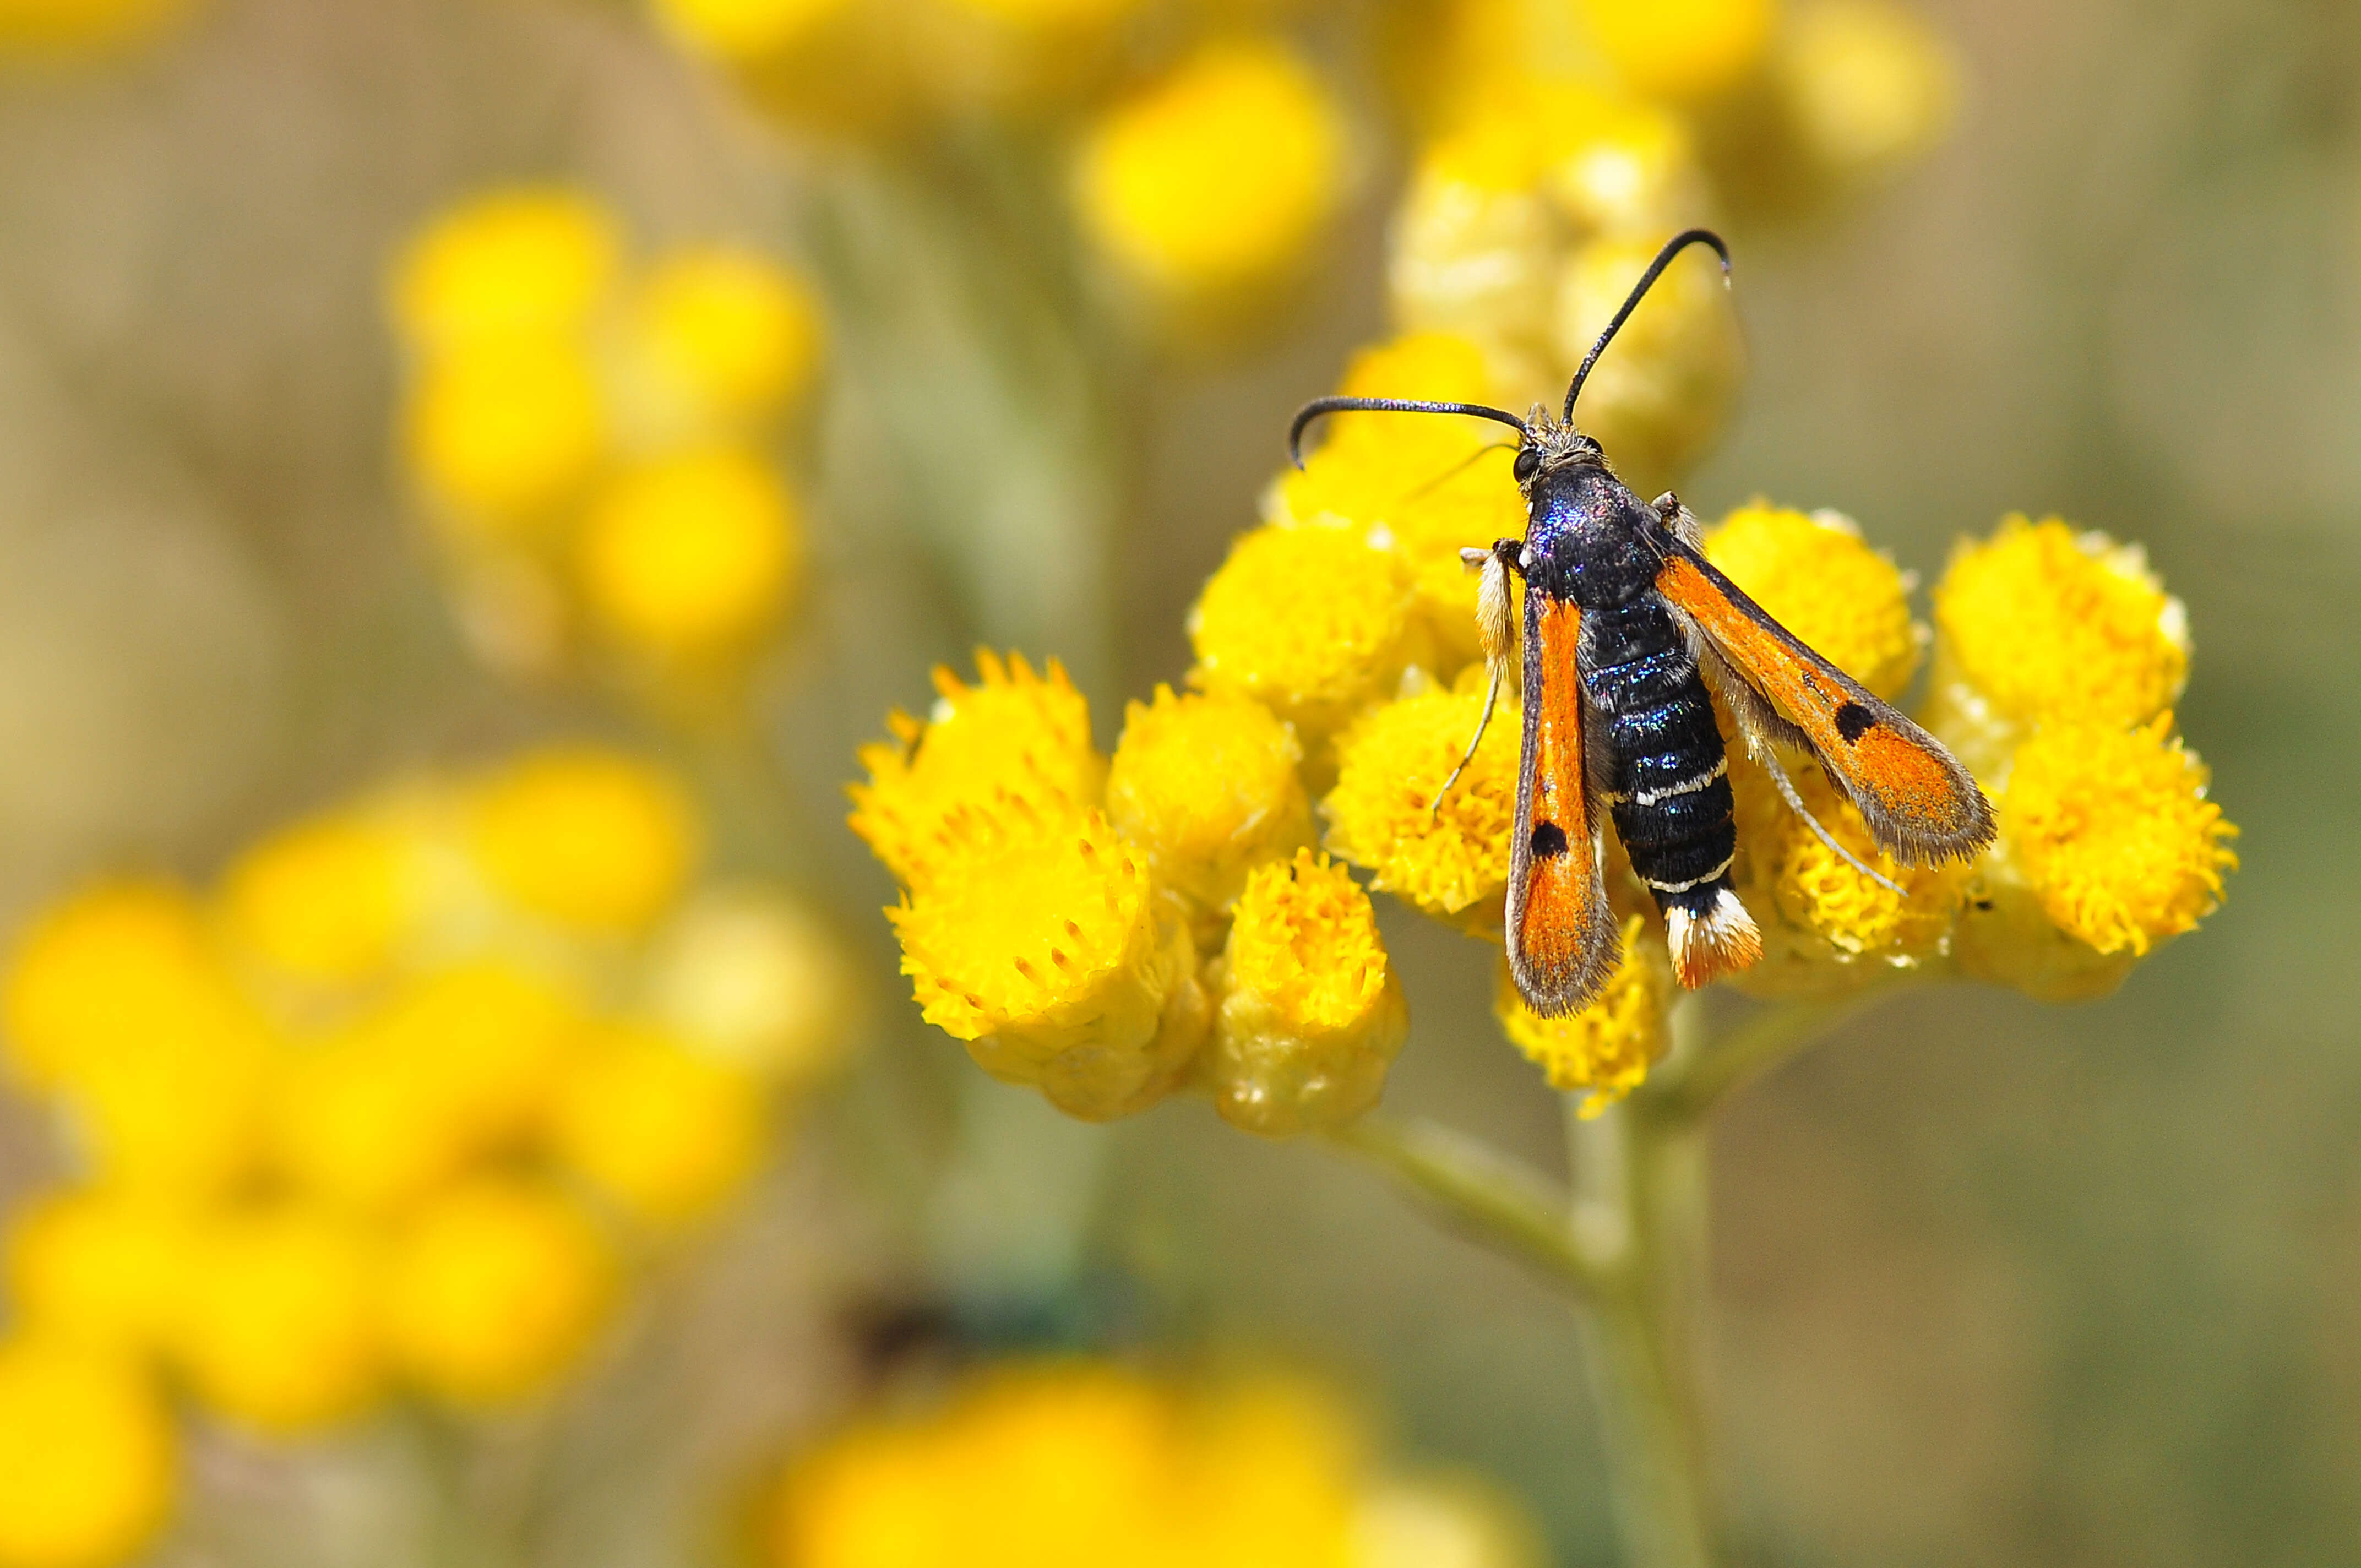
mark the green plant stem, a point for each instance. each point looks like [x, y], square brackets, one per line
[1629, 1240]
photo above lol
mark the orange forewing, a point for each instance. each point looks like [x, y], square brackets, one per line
[1918, 801]
[1561, 938]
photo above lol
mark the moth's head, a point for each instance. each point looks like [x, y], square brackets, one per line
[1552, 447]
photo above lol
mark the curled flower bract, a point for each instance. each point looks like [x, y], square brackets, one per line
[1608, 1048]
[1391, 764]
[1208, 786]
[1312, 1013]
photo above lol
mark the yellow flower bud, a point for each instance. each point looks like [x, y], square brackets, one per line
[1208, 787]
[1314, 658]
[276, 1320]
[719, 337]
[88, 1466]
[97, 1265]
[112, 964]
[1038, 943]
[2112, 831]
[1013, 734]
[1217, 179]
[1684, 50]
[755, 979]
[590, 838]
[1660, 398]
[331, 898]
[503, 434]
[494, 1290]
[1866, 85]
[667, 1134]
[2041, 623]
[692, 555]
[1609, 1047]
[525, 262]
[1451, 863]
[1822, 582]
[1312, 1013]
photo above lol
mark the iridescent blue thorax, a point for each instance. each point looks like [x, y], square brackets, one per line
[1588, 537]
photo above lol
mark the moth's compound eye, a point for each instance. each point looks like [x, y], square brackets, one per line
[1528, 459]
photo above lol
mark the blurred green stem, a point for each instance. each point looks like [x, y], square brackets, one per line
[1629, 1239]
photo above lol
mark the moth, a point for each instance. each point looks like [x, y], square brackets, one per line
[1627, 633]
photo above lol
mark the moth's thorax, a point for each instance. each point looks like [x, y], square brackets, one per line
[1589, 537]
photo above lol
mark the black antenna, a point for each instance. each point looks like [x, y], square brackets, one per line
[1673, 247]
[1319, 406]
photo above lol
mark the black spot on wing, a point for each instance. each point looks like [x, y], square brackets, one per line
[1549, 840]
[1854, 721]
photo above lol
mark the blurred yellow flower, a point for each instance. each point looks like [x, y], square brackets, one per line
[1822, 582]
[754, 977]
[275, 1321]
[746, 29]
[692, 554]
[495, 1289]
[1609, 1047]
[96, 1266]
[111, 964]
[1208, 786]
[504, 435]
[590, 838]
[1038, 943]
[178, 1112]
[1218, 177]
[331, 898]
[1312, 1013]
[1013, 735]
[88, 1464]
[721, 337]
[519, 262]
[669, 1135]
[1866, 84]
[1661, 397]
[2111, 830]
[1684, 50]
[1314, 658]
[1392, 763]
[2040, 623]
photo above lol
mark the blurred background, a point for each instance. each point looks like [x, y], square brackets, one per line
[1993, 1282]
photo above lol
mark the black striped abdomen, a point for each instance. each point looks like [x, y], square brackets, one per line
[1668, 775]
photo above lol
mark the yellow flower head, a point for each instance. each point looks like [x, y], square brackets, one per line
[495, 1289]
[666, 1133]
[504, 435]
[2111, 830]
[1313, 622]
[1038, 943]
[532, 261]
[332, 898]
[97, 1265]
[88, 1464]
[112, 965]
[1866, 84]
[1312, 1013]
[1817, 892]
[2041, 623]
[1207, 786]
[721, 337]
[691, 555]
[1660, 398]
[1218, 177]
[590, 838]
[1012, 734]
[1609, 1047]
[1684, 50]
[276, 1320]
[1391, 765]
[755, 979]
[1822, 582]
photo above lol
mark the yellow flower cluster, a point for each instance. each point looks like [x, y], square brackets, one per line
[1110, 932]
[591, 442]
[389, 1107]
[1066, 1464]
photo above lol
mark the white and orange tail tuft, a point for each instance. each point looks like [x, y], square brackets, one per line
[1705, 945]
